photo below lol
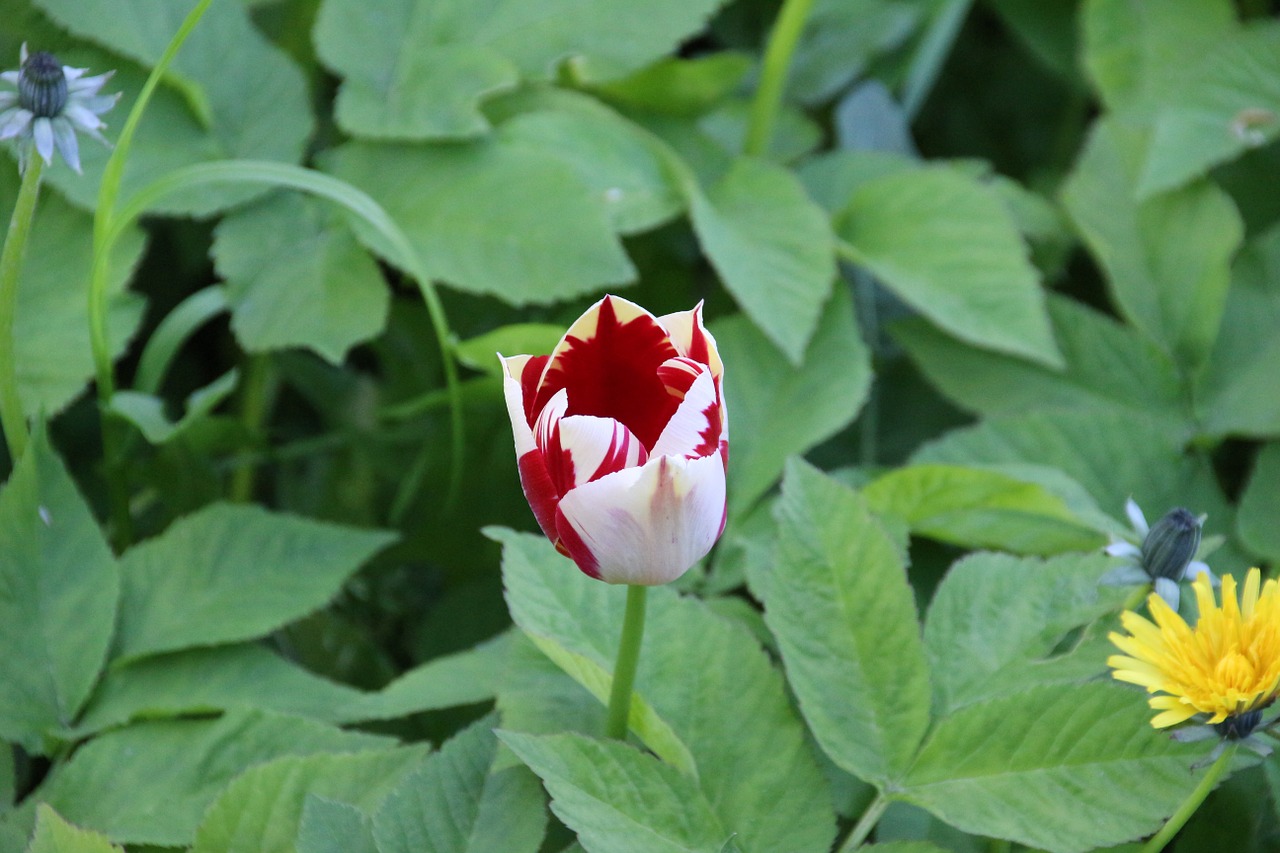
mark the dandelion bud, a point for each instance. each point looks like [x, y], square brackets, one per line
[42, 85]
[1171, 545]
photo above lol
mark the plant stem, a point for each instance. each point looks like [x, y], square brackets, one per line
[624, 671]
[865, 824]
[1179, 818]
[15, 244]
[773, 76]
[255, 394]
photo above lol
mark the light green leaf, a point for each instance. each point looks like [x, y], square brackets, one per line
[978, 508]
[296, 277]
[619, 799]
[777, 410]
[229, 573]
[996, 621]
[1167, 260]
[230, 94]
[1108, 365]
[452, 803]
[537, 697]
[794, 135]
[58, 608]
[679, 86]
[1065, 768]
[147, 411]
[1260, 505]
[845, 619]
[481, 352]
[947, 246]
[727, 704]
[261, 810]
[55, 835]
[832, 177]
[150, 783]
[8, 777]
[841, 38]
[330, 826]
[772, 247]
[492, 217]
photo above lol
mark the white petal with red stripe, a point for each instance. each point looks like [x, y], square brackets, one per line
[592, 448]
[691, 339]
[694, 430]
[513, 392]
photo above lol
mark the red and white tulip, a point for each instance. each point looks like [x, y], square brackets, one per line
[622, 440]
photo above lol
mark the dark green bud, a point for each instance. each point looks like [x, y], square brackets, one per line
[42, 87]
[1171, 545]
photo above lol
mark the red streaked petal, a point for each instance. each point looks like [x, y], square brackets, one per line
[530, 374]
[694, 430]
[608, 363]
[678, 373]
[595, 447]
[691, 338]
[517, 403]
[539, 490]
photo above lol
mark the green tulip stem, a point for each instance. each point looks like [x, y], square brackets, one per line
[15, 244]
[1179, 818]
[866, 823]
[624, 671]
[773, 75]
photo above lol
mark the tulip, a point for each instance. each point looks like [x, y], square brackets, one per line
[622, 440]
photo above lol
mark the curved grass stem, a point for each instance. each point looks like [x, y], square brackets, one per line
[15, 244]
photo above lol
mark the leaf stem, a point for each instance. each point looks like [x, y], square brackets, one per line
[773, 76]
[865, 824]
[15, 245]
[624, 671]
[1179, 818]
[255, 398]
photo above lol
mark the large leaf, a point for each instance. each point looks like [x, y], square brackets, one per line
[618, 799]
[454, 804]
[777, 410]
[844, 615]
[419, 69]
[996, 622]
[492, 216]
[58, 592]
[55, 835]
[1260, 505]
[948, 247]
[151, 783]
[772, 247]
[296, 277]
[1167, 259]
[707, 678]
[229, 573]
[230, 94]
[261, 810]
[331, 826]
[1065, 768]
[841, 38]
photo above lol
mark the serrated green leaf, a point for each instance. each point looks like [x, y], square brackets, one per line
[1066, 768]
[229, 573]
[296, 277]
[778, 410]
[619, 799]
[147, 411]
[841, 38]
[1260, 505]
[492, 217]
[979, 508]
[753, 763]
[331, 826]
[1167, 260]
[772, 247]
[452, 803]
[947, 246]
[846, 624]
[831, 178]
[60, 589]
[537, 697]
[150, 783]
[55, 835]
[996, 621]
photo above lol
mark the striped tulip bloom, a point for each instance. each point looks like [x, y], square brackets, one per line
[622, 439]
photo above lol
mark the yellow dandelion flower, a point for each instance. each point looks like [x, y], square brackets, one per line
[1226, 667]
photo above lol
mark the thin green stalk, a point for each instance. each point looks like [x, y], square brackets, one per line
[15, 245]
[865, 824]
[1179, 818]
[624, 671]
[773, 76]
[932, 52]
[255, 396]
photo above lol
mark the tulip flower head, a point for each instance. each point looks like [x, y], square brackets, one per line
[622, 439]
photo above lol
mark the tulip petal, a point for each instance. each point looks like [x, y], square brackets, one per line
[645, 525]
[694, 430]
[691, 338]
[517, 397]
[585, 448]
[539, 490]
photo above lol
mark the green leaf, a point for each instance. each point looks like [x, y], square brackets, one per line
[725, 702]
[1108, 366]
[831, 178]
[677, 85]
[1167, 259]
[1065, 768]
[8, 777]
[229, 573]
[151, 783]
[481, 352]
[60, 589]
[978, 508]
[55, 835]
[147, 411]
[948, 246]
[777, 410]
[772, 247]
[1260, 505]
[996, 621]
[492, 216]
[261, 810]
[231, 94]
[619, 799]
[296, 277]
[453, 804]
[330, 826]
[537, 697]
[845, 619]
[841, 38]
